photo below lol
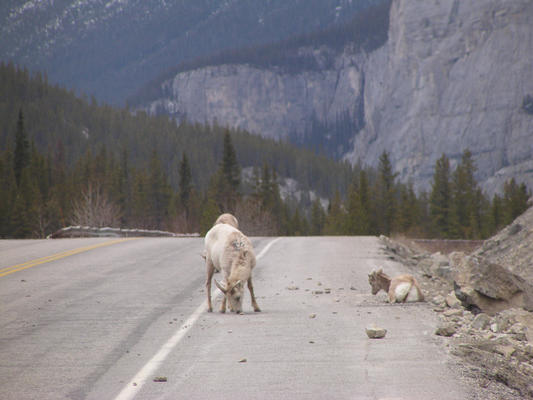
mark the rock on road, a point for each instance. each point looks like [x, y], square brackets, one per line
[83, 325]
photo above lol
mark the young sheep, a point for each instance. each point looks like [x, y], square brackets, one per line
[401, 289]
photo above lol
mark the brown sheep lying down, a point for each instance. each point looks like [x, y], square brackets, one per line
[401, 289]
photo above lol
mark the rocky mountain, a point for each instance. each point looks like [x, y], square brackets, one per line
[109, 48]
[451, 76]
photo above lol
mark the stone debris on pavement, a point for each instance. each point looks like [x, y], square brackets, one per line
[485, 303]
[374, 332]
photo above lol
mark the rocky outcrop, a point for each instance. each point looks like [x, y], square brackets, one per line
[453, 75]
[271, 103]
[512, 247]
[488, 287]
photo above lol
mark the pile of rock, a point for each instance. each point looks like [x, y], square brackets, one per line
[484, 301]
[501, 345]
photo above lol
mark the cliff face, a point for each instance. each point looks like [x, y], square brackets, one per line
[266, 102]
[453, 75]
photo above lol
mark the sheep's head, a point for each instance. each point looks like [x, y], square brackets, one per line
[234, 294]
[374, 282]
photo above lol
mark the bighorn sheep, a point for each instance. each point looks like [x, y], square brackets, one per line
[229, 251]
[401, 289]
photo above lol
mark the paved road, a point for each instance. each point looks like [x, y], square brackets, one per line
[101, 319]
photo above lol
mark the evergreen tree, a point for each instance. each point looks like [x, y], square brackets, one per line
[159, 193]
[210, 213]
[407, 208]
[8, 193]
[440, 198]
[318, 218]
[336, 216]
[228, 177]
[185, 184]
[496, 213]
[25, 210]
[515, 198]
[231, 170]
[140, 204]
[366, 204]
[465, 210]
[386, 194]
[22, 149]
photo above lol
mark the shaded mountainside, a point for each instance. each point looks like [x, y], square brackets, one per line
[308, 90]
[69, 127]
[451, 76]
[111, 48]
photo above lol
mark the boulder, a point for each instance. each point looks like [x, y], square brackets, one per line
[481, 321]
[452, 301]
[446, 329]
[374, 332]
[489, 287]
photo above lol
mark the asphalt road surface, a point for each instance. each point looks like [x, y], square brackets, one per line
[104, 318]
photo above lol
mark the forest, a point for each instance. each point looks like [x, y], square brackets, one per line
[66, 161]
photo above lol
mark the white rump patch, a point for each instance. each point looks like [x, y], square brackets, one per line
[403, 290]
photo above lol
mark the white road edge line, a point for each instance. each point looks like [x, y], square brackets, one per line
[137, 382]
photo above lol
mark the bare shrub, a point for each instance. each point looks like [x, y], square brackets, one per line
[254, 220]
[95, 209]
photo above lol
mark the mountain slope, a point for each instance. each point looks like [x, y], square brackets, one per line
[451, 76]
[110, 48]
[70, 128]
[307, 90]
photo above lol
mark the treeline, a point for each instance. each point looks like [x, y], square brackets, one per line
[55, 118]
[41, 194]
[454, 208]
[366, 31]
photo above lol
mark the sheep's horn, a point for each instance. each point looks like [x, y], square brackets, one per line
[235, 284]
[222, 288]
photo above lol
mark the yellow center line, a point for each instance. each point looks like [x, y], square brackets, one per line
[53, 257]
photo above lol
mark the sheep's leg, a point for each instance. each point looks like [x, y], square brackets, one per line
[392, 295]
[252, 295]
[210, 272]
[223, 305]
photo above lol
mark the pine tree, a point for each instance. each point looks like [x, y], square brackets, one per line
[386, 194]
[228, 178]
[515, 198]
[7, 194]
[185, 184]
[440, 198]
[335, 220]
[468, 205]
[22, 149]
[231, 170]
[140, 203]
[496, 213]
[210, 213]
[159, 193]
[318, 218]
